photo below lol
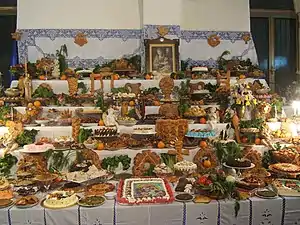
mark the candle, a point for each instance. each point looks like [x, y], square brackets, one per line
[25, 66]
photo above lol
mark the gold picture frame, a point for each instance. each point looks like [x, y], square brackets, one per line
[162, 55]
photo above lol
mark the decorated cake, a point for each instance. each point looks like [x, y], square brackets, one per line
[185, 167]
[60, 199]
[144, 190]
[80, 176]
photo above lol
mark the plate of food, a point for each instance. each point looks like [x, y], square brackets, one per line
[91, 201]
[144, 130]
[6, 203]
[24, 191]
[73, 186]
[265, 193]
[185, 197]
[60, 200]
[287, 187]
[99, 189]
[27, 201]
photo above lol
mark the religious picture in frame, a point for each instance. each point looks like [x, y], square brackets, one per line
[162, 55]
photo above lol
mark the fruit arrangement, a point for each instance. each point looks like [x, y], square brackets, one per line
[281, 133]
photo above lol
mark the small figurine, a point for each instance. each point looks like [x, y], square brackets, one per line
[28, 87]
[213, 115]
[56, 71]
[109, 118]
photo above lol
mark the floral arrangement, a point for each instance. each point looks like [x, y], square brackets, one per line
[217, 185]
[18, 70]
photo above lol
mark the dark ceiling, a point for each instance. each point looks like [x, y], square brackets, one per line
[254, 4]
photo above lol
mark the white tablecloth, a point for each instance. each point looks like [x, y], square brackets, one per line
[61, 86]
[280, 211]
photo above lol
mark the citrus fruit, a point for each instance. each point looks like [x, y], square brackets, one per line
[207, 163]
[131, 103]
[100, 146]
[63, 77]
[203, 144]
[202, 120]
[160, 144]
[37, 104]
[101, 123]
[257, 141]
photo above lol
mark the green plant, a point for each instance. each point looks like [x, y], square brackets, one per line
[43, 92]
[227, 150]
[62, 53]
[84, 134]
[112, 163]
[255, 123]
[58, 160]
[26, 137]
[83, 87]
[168, 159]
[5, 113]
[101, 104]
[6, 163]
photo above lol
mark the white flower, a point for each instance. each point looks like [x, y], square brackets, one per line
[230, 179]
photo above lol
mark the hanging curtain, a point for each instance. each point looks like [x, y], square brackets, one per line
[285, 52]
[260, 35]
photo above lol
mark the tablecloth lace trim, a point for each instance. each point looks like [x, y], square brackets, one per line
[79, 215]
[283, 210]
[184, 214]
[250, 212]
[45, 220]
[115, 213]
[219, 213]
[9, 216]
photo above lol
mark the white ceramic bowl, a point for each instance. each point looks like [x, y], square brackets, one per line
[110, 195]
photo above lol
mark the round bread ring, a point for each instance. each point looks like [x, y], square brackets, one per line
[209, 153]
[214, 40]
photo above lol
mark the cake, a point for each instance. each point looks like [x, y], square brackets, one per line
[239, 162]
[199, 69]
[185, 167]
[38, 148]
[60, 199]
[197, 133]
[144, 190]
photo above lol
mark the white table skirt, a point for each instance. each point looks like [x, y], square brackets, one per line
[61, 86]
[280, 211]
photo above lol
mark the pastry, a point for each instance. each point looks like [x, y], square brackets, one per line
[202, 199]
[27, 200]
[99, 189]
[143, 161]
[285, 167]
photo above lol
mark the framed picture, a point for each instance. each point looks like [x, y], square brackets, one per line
[162, 55]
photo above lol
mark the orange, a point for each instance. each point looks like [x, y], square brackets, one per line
[257, 141]
[203, 144]
[203, 120]
[42, 77]
[37, 104]
[115, 77]
[101, 123]
[100, 146]
[156, 103]
[148, 77]
[161, 144]
[63, 77]
[242, 76]
[207, 163]
[244, 140]
[131, 103]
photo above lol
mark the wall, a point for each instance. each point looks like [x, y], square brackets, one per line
[117, 28]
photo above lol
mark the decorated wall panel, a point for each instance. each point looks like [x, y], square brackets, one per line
[205, 29]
